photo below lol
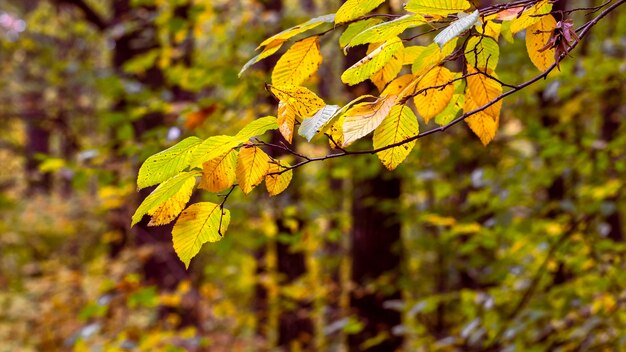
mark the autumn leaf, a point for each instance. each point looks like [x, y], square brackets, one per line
[372, 63]
[432, 101]
[198, 224]
[537, 36]
[286, 120]
[178, 187]
[303, 101]
[252, 166]
[219, 174]
[269, 50]
[299, 63]
[293, 31]
[353, 9]
[432, 56]
[480, 91]
[389, 71]
[277, 183]
[482, 53]
[437, 7]
[310, 126]
[400, 125]
[168, 163]
[386, 30]
[356, 28]
[531, 16]
[363, 118]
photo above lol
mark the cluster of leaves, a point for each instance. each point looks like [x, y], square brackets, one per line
[451, 80]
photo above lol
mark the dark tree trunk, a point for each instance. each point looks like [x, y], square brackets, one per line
[37, 143]
[375, 252]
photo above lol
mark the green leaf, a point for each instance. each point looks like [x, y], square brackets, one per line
[482, 52]
[212, 148]
[257, 128]
[168, 163]
[456, 28]
[353, 9]
[437, 7]
[310, 126]
[198, 224]
[301, 28]
[163, 193]
[387, 30]
[356, 28]
[372, 63]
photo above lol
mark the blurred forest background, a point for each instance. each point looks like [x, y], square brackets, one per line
[519, 246]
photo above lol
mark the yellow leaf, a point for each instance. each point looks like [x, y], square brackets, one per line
[198, 224]
[293, 31]
[169, 210]
[363, 118]
[336, 133]
[304, 102]
[389, 71]
[269, 50]
[437, 7]
[432, 56]
[372, 63]
[531, 16]
[219, 173]
[298, 64]
[353, 9]
[286, 120]
[433, 100]
[400, 125]
[277, 183]
[396, 86]
[411, 53]
[480, 91]
[490, 29]
[537, 36]
[483, 90]
[252, 166]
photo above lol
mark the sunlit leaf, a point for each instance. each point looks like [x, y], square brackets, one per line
[356, 28]
[437, 89]
[303, 101]
[389, 71]
[531, 16]
[252, 166]
[352, 9]
[165, 191]
[401, 124]
[386, 30]
[219, 174]
[212, 148]
[437, 7]
[432, 56]
[299, 63]
[480, 91]
[267, 51]
[198, 224]
[537, 37]
[277, 183]
[286, 120]
[168, 163]
[372, 63]
[482, 52]
[256, 128]
[301, 28]
[363, 118]
[169, 210]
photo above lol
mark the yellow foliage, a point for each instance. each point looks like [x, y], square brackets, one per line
[298, 64]
[389, 71]
[531, 16]
[352, 9]
[400, 125]
[276, 184]
[219, 173]
[537, 36]
[286, 120]
[372, 63]
[304, 102]
[432, 101]
[363, 118]
[252, 166]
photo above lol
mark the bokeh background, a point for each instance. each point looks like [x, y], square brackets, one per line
[518, 246]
